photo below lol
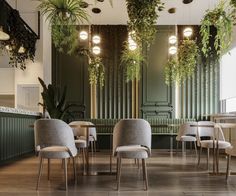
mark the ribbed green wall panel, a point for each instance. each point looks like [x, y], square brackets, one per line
[200, 94]
[16, 136]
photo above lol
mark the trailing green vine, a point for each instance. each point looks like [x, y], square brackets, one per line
[222, 20]
[96, 71]
[63, 15]
[132, 60]
[143, 17]
[182, 67]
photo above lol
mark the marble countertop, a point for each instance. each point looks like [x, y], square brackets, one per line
[18, 111]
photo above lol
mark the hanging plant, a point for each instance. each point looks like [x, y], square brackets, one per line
[222, 20]
[187, 56]
[22, 43]
[96, 71]
[131, 60]
[63, 15]
[143, 16]
[178, 69]
[169, 71]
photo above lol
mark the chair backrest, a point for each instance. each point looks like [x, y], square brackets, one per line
[132, 132]
[186, 129]
[81, 131]
[209, 131]
[54, 132]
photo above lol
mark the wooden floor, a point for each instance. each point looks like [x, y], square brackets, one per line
[168, 175]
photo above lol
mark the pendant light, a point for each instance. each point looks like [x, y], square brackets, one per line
[96, 50]
[188, 31]
[173, 50]
[83, 35]
[96, 39]
[172, 39]
[3, 36]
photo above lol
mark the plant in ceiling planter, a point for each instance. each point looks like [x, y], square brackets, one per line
[179, 68]
[143, 16]
[63, 15]
[132, 60]
[22, 43]
[96, 71]
[223, 21]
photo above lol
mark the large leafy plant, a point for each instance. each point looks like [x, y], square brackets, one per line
[179, 68]
[63, 15]
[54, 101]
[222, 20]
[132, 60]
[143, 16]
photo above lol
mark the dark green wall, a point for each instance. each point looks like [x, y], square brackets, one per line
[114, 100]
[157, 97]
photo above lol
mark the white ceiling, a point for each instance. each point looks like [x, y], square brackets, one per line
[185, 14]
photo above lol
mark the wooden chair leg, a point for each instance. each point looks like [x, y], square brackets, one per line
[65, 173]
[145, 173]
[119, 173]
[40, 172]
[74, 168]
[94, 145]
[195, 146]
[199, 156]
[228, 167]
[177, 146]
[208, 155]
[83, 158]
[49, 169]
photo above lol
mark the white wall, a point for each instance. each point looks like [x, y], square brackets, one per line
[7, 78]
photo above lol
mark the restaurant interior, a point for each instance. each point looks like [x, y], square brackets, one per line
[117, 97]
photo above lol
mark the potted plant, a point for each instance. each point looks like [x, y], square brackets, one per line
[143, 16]
[96, 71]
[222, 20]
[63, 15]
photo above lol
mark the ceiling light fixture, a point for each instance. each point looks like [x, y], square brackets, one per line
[187, 1]
[188, 31]
[172, 39]
[172, 50]
[96, 50]
[83, 35]
[3, 36]
[96, 39]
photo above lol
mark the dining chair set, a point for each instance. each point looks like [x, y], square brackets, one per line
[207, 135]
[55, 139]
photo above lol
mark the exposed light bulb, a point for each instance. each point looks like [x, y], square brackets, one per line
[96, 39]
[132, 45]
[188, 32]
[8, 47]
[172, 50]
[96, 50]
[21, 50]
[172, 39]
[83, 35]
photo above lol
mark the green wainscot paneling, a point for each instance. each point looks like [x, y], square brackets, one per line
[157, 99]
[16, 135]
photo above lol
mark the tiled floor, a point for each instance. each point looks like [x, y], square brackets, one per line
[168, 175]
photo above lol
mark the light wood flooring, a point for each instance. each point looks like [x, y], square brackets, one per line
[168, 175]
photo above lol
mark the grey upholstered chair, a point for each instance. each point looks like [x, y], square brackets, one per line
[54, 140]
[187, 133]
[132, 140]
[81, 132]
[81, 144]
[207, 129]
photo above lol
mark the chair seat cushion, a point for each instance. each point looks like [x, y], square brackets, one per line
[188, 138]
[231, 151]
[79, 143]
[54, 152]
[91, 138]
[209, 144]
[132, 152]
